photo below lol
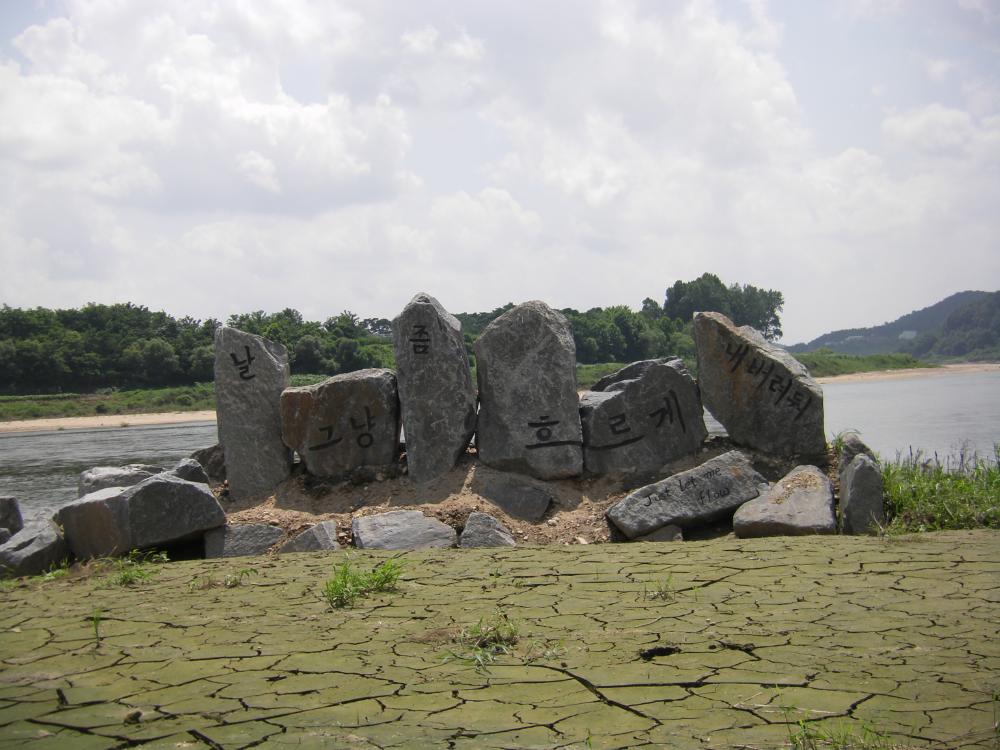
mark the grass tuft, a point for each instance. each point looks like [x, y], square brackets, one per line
[347, 584]
[931, 495]
[486, 640]
[133, 568]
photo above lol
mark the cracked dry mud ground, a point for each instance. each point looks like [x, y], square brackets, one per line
[747, 638]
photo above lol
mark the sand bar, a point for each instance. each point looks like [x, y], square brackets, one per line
[913, 372]
[106, 420]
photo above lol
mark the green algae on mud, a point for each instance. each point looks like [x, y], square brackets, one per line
[758, 635]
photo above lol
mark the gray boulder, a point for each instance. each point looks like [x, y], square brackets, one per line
[10, 515]
[96, 525]
[862, 504]
[641, 417]
[34, 549]
[213, 461]
[191, 470]
[529, 419]
[322, 536]
[851, 446]
[250, 374]
[762, 395]
[436, 396]
[166, 509]
[691, 498]
[483, 530]
[240, 540]
[101, 477]
[518, 496]
[668, 533]
[401, 529]
[800, 503]
[4, 534]
[344, 423]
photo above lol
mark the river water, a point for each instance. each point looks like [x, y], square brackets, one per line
[942, 413]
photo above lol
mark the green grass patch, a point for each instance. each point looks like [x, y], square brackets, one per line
[489, 638]
[931, 495]
[198, 397]
[133, 569]
[348, 584]
[824, 363]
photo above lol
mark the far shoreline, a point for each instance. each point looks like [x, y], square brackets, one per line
[112, 421]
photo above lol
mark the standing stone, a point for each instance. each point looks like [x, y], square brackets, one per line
[191, 470]
[401, 529]
[345, 422]
[322, 536]
[529, 419]
[862, 504]
[641, 417]
[240, 540]
[851, 445]
[250, 374]
[691, 498]
[436, 396]
[483, 530]
[761, 394]
[10, 515]
[801, 503]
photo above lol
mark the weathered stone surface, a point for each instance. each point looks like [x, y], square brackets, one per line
[800, 503]
[862, 505]
[33, 550]
[322, 536]
[96, 525]
[10, 514]
[852, 445]
[761, 394]
[641, 417]
[668, 533]
[213, 461]
[691, 498]
[483, 530]
[100, 477]
[401, 529]
[241, 540]
[345, 422]
[529, 418]
[4, 534]
[191, 470]
[437, 400]
[165, 509]
[250, 374]
[518, 496]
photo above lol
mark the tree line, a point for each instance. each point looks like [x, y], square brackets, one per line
[127, 345]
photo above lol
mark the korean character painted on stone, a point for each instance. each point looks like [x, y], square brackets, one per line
[243, 365]
[670, 410]
[365, 439]
[420, 340]
[543, 434]
[800, 401]
[329, 441]
[735, 354]
[779, 385]
[758, 366]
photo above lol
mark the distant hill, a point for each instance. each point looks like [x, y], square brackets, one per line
[972, 332]
[901, 334]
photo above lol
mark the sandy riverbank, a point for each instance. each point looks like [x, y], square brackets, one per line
[109, 420]
[913, 372]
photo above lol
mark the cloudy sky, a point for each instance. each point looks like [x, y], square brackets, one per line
[208, 157]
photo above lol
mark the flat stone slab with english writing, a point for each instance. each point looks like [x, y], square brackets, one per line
[344, 423]
[436, 396]
[761, 394]
[800, 503]
[529, 419]
[641, 417]
[250, 374]
[691, 498]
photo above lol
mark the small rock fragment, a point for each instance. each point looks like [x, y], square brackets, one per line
[401, 529]
[322, 536]
[668, 533]
[34, 549]
[191, 470]
[100, 477]
[239, 540]
[862, 504]
[10, 514]
[483, 530]
[518, 496]
[800, 503]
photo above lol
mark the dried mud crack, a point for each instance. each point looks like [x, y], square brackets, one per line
[703, 644]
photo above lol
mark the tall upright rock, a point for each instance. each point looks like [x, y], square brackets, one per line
[346, 422]
[250, 374]
[529, 418]
[641, 417]
[436, 396]
[761, 394]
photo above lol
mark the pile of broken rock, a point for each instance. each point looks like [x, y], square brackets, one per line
[528, 423]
